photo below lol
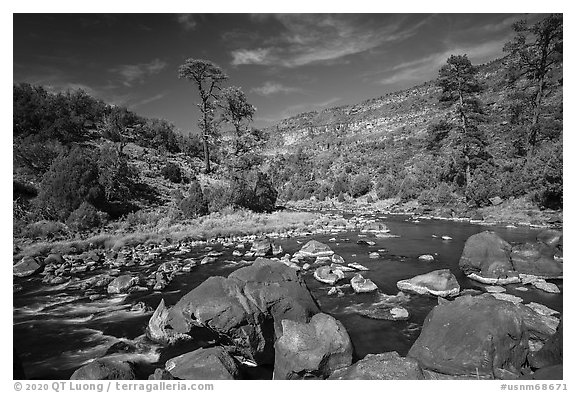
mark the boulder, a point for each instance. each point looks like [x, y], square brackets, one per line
[437, 283]
[122, 284]
[551, 352]
[261, 247]
[27, 267]
[554, 373]
[385, 366]
[328, 275]
[361, 284]
[211, 363]
[536, 259]
[247, 308]
[55, 259]
[317, 348]
[426, 258]
[546, 286]
[104, 369]
[160, 374]
[478, 337]
[487, 255]
[387, 307]
[315, 249]
[375, 227]
[550, 237]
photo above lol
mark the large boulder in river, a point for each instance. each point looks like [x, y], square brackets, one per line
[315, 249]
[536, 259]
[211, 363]
[122, 284]
[312, 349]
[478, 337]
[104, 369]
[247, 308]
[375, 227]
[550, 237]
[27, 267]
[262, 247]
[384, 366]
[361, 284]
[437, 283]
[487, 256]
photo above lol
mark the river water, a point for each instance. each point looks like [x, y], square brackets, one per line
[57, 329]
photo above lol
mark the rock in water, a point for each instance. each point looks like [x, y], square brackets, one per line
[122, 284]
[357, 266]
[212, 363]
[27, 267]
[261, 247]
[536, 259]
[315, 249]
[550, 237]
[475, 336]
[103, 369]
[375, 227]
[546, 286]
[328, 275]
[487, 256]
[426, 258]
[318, 348]
[437, 283]
[362, 285]
[247, 308]
[384, 366]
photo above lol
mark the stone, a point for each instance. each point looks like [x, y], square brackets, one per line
[159, 375]
[122, 284]
[261, 247]
[358, 266]
[316, 348]
[507, 297]
[27, 267]
[328, 275]
[365, 242]
[426, 258]
[383, 366]
[496, 201]
[542, 309]
[55, 259]
[495, 289]
[536, 259]
[202, 364]
[343, 268]
[546, 286]
[550, 237]
[551, 352]
[478, 337]
[362, 285]
[247, 308]
[314, 249]
[387, 307]
[104, 369]
[375, 227]
[338, 259]
[437, 283]
[486, 258]
[373, 255]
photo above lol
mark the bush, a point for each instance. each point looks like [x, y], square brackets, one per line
[71, 180]
[440, 195]
[369, 199]
[254, 191]
[341, 197]
[194, 205]
[172, 172]
[84, 218]
[44, 229]
[483, 185]
[114, 174]
[361, 185]
[341, 185]
[387, 187]
[219, 196]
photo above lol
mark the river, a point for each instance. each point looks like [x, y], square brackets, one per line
[57, 328]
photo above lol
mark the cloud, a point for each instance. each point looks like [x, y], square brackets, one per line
[270, 88]
[312, 38]
[131, 73]
[148, 100]
[426, 68]
[187, 21]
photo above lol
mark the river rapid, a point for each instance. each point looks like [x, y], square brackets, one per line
[57, 328]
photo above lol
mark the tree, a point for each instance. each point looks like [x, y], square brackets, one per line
[207, 77]
[457, 78]
[535, 51]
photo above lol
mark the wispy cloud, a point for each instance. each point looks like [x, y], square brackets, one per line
[312, 38]
[187, 21]
[427, 67]
[270, 88]
[148, 100]
[132, 73]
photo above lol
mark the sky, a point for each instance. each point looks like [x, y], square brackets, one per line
[285, 63]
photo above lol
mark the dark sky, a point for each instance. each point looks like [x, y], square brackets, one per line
[286, 64]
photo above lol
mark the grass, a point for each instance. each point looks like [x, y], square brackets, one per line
[237, 223]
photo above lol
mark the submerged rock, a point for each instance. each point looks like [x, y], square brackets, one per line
[437, 283]
[212, 363]
[550, 237]
[383, 366]
[328, 275]
[104, 369]
[318, 348]
[362, 285]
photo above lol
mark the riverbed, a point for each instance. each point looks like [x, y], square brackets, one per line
[57, 328]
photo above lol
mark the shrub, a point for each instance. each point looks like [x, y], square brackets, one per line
[71, 180]
[219, 196]
[44, 229]
[84, 218]
[341, 185]
[387, 187]
[483, 185]
[360, 185]
[439, 195]
[254, 191]
[194, 205]
[172, 172]
[369, 199]
[341, 197]
[114, 174]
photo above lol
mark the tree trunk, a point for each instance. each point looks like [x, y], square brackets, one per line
[205, 134]
[533, 134]
[206, 154]
[464, 121]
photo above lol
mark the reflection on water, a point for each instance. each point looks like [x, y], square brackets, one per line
[57, 328]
